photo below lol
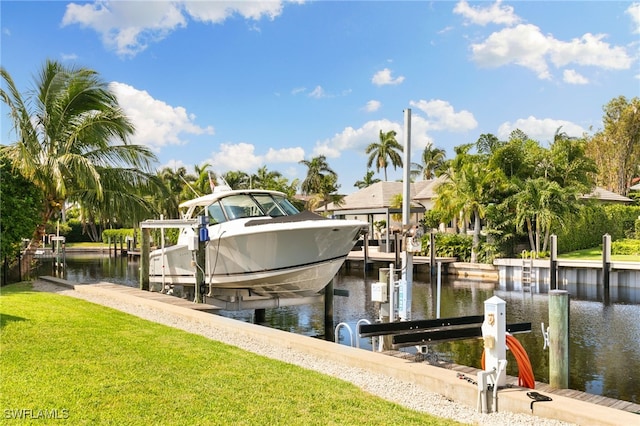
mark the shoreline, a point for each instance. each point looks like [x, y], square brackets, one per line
[403, 386]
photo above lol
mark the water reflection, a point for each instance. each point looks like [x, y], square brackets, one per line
[604, 337]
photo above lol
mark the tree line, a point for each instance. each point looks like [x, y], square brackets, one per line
[73, 148]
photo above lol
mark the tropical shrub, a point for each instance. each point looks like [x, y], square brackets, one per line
[585, 229]
[450, 245]
[626, 247]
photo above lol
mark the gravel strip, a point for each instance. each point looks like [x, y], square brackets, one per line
[404, 393]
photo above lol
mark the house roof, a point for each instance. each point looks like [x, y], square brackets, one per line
[607, 196]
[376, 196]
[428, 190]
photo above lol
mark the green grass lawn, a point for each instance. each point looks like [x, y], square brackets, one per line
[595, 253]
[95, 365]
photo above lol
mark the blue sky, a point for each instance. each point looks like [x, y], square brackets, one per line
[242, 85]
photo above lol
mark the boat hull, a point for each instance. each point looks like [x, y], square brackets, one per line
[272, 259]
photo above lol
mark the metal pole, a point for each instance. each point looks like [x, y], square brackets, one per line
[606, 261]
[201, 256]
[144, 259]
[329, 332]
[439, 290]
[407, 257]
[432, 253]
[553, 267]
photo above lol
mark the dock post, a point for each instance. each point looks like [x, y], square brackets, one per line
[201, 258]
[606, 261]
[432, 253]
[365, 247]
[329, 334]
[553, 266]
[144, 258]
[559, 339]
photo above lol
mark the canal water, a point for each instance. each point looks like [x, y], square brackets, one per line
[604, 337]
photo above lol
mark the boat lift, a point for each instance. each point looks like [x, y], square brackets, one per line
[233, 302]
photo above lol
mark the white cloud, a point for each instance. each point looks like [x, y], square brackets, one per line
[383, 78]
[525, 45]
[284, 155]
[442, 116]
[242, 156]
[357, 140]
[69, 56]
[372, 106]
[157, 124]
[218, 11]
[589, 50]
[493, 14]
[634, 12]
[127, 27]
[239, 156]
[317, 93]
[573, 77]
[542, 130]
[354, 139]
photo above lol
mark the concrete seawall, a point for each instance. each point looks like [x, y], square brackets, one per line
[432, 378]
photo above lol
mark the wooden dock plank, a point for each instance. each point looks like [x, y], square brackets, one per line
[541, 387]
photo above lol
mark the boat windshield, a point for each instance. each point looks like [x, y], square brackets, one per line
[244, 205]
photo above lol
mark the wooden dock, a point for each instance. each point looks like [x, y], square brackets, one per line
[374, 255]
[544, 388]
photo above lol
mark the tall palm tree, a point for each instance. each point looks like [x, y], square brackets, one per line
[368, 180]
[173, 182]
[327, 194]
[318, 168]
[466, 191]
[432, 159]
[265, 179]
[204, 177]
[386, 150]
[538, 205]
[236, 179]
[71, 134]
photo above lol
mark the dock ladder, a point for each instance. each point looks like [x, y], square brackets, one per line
[527, 266]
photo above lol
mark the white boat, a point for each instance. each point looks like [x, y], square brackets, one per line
[259, 245]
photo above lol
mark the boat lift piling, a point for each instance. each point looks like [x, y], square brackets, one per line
[407, 257]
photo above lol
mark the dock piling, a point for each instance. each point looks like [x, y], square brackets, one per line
[559, 339]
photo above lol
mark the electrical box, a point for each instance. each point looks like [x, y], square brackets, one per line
[192, 243]
[413, 244]
[379, 292]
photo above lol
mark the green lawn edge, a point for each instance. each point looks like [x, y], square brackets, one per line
[68, 359]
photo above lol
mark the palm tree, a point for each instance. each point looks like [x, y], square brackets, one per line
[71, 135]
[318, 168]
[467, 190]
[368, 180]
[432, 159]
[236, 179]
[538, 205]
[204, 181]
[385, 150]
[265, 179]
[327, 194]
[173, 182]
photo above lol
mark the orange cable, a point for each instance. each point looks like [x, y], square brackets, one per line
[525, 371]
